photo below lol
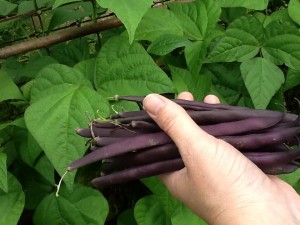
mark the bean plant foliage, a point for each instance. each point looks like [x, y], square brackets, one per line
[247, 52]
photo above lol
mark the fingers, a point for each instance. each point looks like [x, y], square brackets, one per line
[212, 99]
[181, 128]
[186, 96]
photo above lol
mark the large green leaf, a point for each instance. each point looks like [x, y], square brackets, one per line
[130, 14]
[262, 79]
[241, 41]
[162, 195]
[228, 83]
[25, 7]
[12, 202]
[230, 14]
[6, 7]
[35, 65]
[282, 44]
[148, 211]
[3, 172]
[292, 79]
[81, 206]
[167, 43]
[55, 75]
[126, 217]
[293, 9]
[61, 100]
[8, 89]
[195, 55]
[69, 13]
[250, 4]
[32, 154]
[281, 15]
[199, 85]
[197, 17]
[72, 52]
[128, 70]
[150, 27]
[87, 67]
[61, 2]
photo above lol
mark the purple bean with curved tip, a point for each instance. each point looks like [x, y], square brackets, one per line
[125, 146]
[147, 156]
[108, 132]
[267, 160]
[138, 172]
[102, 141]
[144, 125]
[282, 169]
[253, 141]
[240, 126]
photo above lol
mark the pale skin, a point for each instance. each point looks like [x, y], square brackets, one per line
[218, 183]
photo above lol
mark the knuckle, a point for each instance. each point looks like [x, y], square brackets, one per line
[169, 120]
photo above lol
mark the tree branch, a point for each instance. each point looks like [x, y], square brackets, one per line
[66, 35]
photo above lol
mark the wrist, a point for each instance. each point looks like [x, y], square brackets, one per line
[259, 210]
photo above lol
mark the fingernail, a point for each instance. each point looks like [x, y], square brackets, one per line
[153, 103]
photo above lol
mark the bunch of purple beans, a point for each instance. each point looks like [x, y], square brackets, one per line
[131, 146]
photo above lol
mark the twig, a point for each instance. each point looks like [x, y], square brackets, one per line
[66, 35]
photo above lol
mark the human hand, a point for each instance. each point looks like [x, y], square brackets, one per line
[218, 182]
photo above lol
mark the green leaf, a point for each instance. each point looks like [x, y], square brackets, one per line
[250, 4]
[32, 154]
[128, 70]
[148, 211]
[59, 106]
[293, 10]
[195, 55]
[183, 215]
[8, 89]
[162, 195]
[83, 205]
[13, 68]
[87, 68]
[167, 43]
[230, 14]
[197, 17]
[241, 41]
[33, 67]
[25, 7]
[198, 85]
[126, 217]
[6, 7]
[35, 186]
[262, 79]
[291, 178]
[72, 52]
[17, 122]
[282, 44]
[12, 202]
[150, 27]
[61, 2]
[130, 14]
[3, 172]
[54, 75]
[228, 83]
[70, 13]
[292, 79]
[281, 14]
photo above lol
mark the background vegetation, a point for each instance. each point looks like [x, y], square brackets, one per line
[61, 59]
